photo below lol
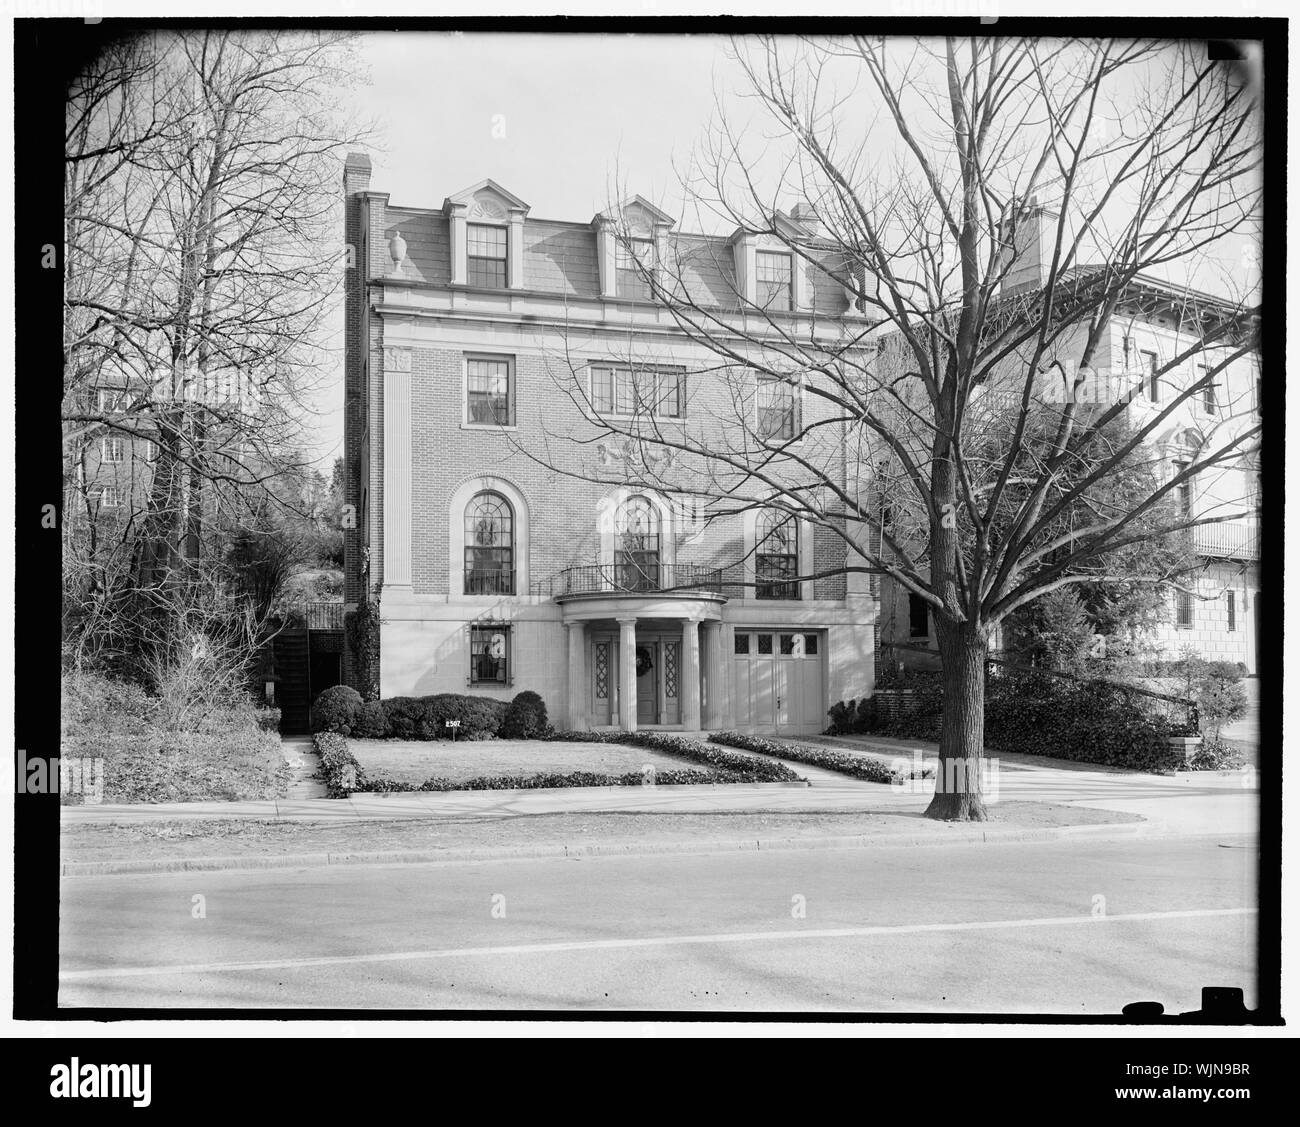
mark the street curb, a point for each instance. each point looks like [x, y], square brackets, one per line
[1099, 831]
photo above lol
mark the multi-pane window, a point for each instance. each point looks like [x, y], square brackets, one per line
[787, 645]
[487, 256]
[636, 556]
[778, 409]
[1209, 393]
[1151, 374]
[489, 546]
[776, 558]
[111, 400]
[110, 497]
[633, 261]
[741, 644]
[1232, 609]
[489, 654]
[918, 616]
[1182, 607]
[112, 448]
[619, 390]
[775, 289]
[489, 391]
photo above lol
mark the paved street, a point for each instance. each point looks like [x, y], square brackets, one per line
[949, 929]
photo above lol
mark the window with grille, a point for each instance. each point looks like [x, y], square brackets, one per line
[776, 558]
[918, 616]
[619, 390]
[775, 281]
[636, 557]
[489, 391]
[1232, 610]
[489, 546]
[113, 448]
[110, 497]
[1182, 607]
[778, 409]
[486, 253]
[489, 654]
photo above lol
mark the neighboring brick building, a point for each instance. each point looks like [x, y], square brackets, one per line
[496, 563]
[1217, 611]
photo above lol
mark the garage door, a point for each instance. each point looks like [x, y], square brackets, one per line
[777, 682]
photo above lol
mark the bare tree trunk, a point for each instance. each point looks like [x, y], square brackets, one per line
[958, 792]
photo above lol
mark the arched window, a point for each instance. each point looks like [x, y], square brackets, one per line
[636, 552]
[776, 556]
[489, 546]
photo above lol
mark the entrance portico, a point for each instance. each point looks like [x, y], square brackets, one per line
[635, 659]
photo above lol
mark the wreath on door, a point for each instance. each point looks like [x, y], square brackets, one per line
[643, 662]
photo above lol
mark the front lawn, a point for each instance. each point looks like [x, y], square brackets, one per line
[414, 761]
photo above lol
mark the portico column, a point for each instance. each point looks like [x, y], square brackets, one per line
[627, 674]
[578, 676]
[690, 686]
[716, 681]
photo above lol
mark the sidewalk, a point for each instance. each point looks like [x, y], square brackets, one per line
[1172, 805]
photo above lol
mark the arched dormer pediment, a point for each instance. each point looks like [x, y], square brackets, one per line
[486, 200]
[487, 204]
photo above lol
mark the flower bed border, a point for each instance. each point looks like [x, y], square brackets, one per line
[872, 770]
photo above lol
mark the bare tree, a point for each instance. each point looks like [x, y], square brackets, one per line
[966, 436]
[201, 263]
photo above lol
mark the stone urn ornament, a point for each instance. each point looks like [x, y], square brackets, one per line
[397, 251]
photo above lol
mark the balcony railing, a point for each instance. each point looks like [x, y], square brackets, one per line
[323, 616]
[629, 578]
[1234, 540]
[479, 581]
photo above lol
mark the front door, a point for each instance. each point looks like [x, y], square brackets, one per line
[647, 681]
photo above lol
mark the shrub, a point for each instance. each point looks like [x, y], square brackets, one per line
[268, 719]
[370, 722]
[843, 716]
[335, 709]
[425, 718]
[1215, 755]
[525, 717]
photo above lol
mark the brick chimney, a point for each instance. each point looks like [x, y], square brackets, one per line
[1035, 241]
[806, 216]
[356, 174]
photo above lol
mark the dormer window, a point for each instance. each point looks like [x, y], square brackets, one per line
[486, 228]
[631, 247]
[488, 255]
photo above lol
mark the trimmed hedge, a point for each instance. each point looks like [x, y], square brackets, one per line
[859, 767]
[342, 710]
[746, 767]
[343, 775]
[338, 766]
